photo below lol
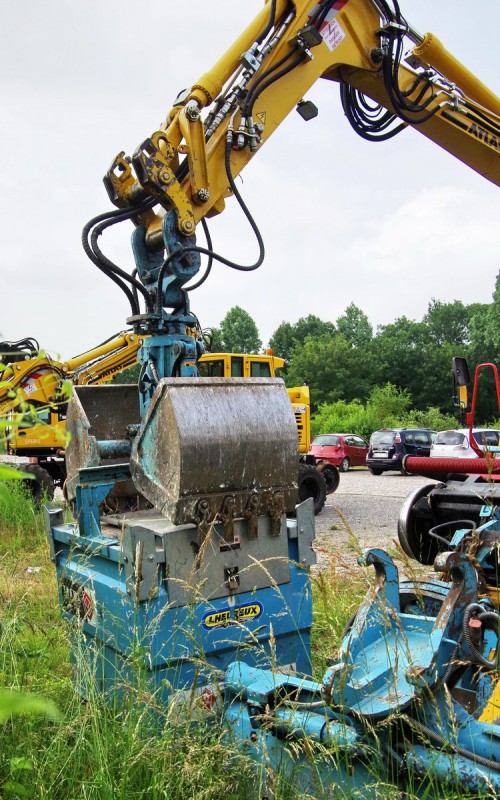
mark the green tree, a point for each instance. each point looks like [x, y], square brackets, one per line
[485, 330]
[129, 375]
[239, 333]
[287, 337]
[447, 322]
[388, 406]
[355, 326]
[283, 341]
[332, 369]
[216, 343]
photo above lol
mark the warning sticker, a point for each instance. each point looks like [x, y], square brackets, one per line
[28, 387]
[332, 33]
[228, 616]
[79, 600]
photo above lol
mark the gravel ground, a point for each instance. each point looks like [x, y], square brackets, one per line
[363, 512]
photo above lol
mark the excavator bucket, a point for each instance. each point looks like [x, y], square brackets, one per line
[206, 443]
[206, 448]
[98, 415]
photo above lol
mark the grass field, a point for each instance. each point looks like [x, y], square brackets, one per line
[85, 749]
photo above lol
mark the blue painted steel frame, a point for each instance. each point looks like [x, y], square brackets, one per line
[173, 646]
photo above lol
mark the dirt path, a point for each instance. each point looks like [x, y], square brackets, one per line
[363, 512]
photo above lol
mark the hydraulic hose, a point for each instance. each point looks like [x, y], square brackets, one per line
[440, 468]
[203, 250]
[443, 742]
[490, 619]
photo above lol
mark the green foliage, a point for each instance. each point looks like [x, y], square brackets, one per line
[15, 703]
[431, 418]
[238, 333]
[216, 342]
[287, 337]
[331, 368]
[129, 375]
[340, 417]
[355, 326]
[387, 407]
[346, 362]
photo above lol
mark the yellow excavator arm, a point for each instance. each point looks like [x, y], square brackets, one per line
[32, 390]
[40, 377]
[224, 119]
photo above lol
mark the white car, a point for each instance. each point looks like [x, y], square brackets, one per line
[456, 444]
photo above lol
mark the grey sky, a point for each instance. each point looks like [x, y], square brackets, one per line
[387, 226]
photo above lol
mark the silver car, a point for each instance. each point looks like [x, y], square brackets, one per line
[456, 444]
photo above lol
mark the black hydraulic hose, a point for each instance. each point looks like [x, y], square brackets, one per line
[209, 266]
[273, 77]
[134, 289]
[112, 269]
[363, 117]
[203, 250]
[414, 105]
[256, 88]
[270, 23]
[390, 69]
[490, 619]
[482, 121]
[457, 523]
[477, 111]
[105, 263]
[96, 260]
[29, 345]
[443, 742]
[389, 12]
[321, 12]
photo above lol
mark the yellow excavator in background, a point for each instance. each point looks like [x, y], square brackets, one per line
[316, 478]
[34, 394]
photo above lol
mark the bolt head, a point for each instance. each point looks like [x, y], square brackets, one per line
[203, 195]
[187, 226]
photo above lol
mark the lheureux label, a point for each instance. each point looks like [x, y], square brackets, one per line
[230, 616]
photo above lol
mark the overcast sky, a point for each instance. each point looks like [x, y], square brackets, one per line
[386, 226]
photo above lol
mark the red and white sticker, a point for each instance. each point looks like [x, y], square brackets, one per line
[332, 33]
[89, 606]
[28, 387]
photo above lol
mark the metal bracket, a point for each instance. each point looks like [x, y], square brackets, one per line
[202, 518]
[52, 516]
[277, 508]
[251, 515]
[154, 162]
[226, 516]
[141, 559]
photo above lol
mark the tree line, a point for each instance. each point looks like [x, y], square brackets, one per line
[346, 362]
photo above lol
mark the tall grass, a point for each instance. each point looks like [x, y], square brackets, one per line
[95, 752]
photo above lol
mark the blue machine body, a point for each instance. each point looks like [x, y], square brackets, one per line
[203, 588]
[163, 624]
[404, 701]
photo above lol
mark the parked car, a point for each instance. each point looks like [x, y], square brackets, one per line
[389, 446]
[343, 450]
[456, 443]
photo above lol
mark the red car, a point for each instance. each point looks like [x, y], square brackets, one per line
[343, 450]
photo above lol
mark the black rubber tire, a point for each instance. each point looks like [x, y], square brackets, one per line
[344, 465]
[375, 471]
[41, 486]
[311, 484]
[331, 476]
[414, 526]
